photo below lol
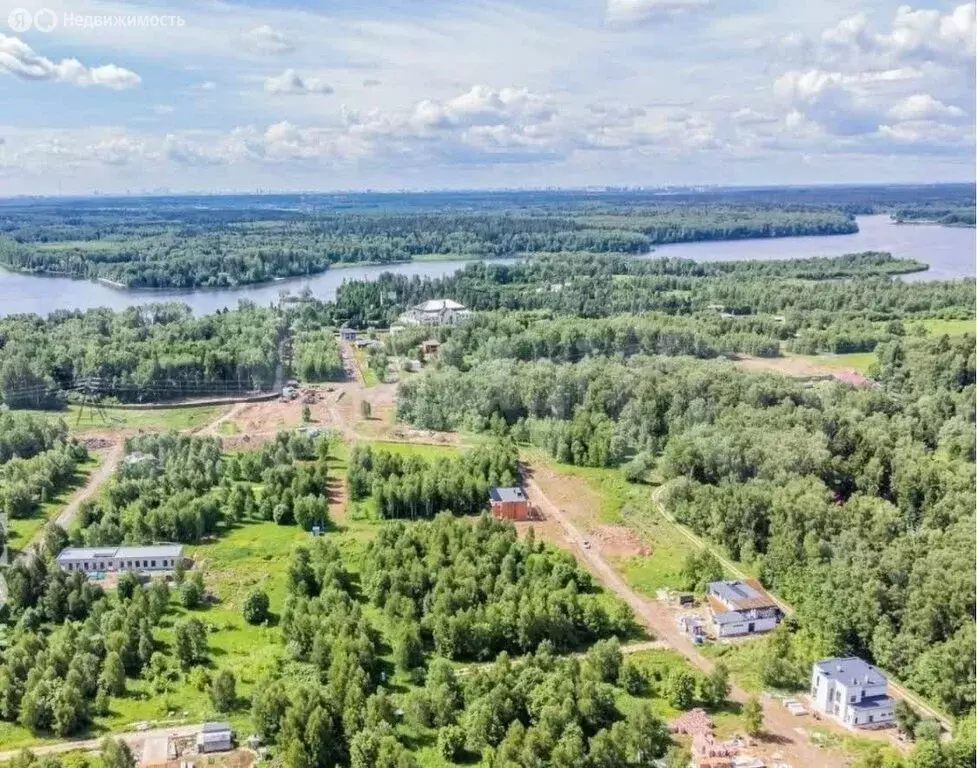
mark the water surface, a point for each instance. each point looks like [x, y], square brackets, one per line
[950, 252]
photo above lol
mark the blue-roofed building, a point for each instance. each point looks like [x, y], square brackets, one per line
[741, 608]
[853, 692]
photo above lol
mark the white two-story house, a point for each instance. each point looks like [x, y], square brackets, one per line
[852, 691]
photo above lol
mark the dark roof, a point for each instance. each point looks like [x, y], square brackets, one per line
[741, 595]
[873, 702]
[215, 727]
[851, 670]
[507, 494]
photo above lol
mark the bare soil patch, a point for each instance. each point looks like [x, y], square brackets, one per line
[618, 541]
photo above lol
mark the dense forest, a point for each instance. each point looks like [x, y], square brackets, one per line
[181, 488]
[37, 459]
[467, 591]
[148, 353]
[415, 488]
[667, 306]
[181, 248]
[825, 488]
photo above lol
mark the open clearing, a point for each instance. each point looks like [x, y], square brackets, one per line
[808, 365]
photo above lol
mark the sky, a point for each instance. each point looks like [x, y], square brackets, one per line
[134, 97]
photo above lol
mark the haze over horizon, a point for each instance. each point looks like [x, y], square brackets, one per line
[115, 97]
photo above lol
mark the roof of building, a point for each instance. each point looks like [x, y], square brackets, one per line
[851, 670]
[507, 494]
[438, 305]
[741, 595]
[874, 702]
[89, 553]
[727, 617]
[215, 727]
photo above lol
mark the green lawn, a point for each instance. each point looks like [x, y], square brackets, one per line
[936, 326]
[856, 361]
[158, 419]
[413, 449]
[21, 531]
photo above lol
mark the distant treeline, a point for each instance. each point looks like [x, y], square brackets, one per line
[187, 249]
[947, 215]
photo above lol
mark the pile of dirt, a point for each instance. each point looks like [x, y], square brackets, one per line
[618, 541]
[97, 443]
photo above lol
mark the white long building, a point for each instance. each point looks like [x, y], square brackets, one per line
[158, 557]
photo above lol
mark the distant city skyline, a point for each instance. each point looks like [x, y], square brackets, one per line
[395, 95]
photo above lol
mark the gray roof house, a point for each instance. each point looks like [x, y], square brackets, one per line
[852, 691]
[157, 557]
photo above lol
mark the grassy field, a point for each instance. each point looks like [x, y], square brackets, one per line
[424, 451]
[369, 375]
[631, 505]
[20, 532]
[160, 419]
[856, 361]
[936, 327]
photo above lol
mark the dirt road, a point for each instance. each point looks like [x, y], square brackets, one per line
[99, 476]
[778, 723]
[105, 470]
[110, 461]
[895, 690]
[213, 428]
[134, 739]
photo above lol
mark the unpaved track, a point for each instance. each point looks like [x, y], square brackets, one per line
[778, 723]
[98, 478]
[134, 739]
[213, 428]
[65, 517]
[895, 690]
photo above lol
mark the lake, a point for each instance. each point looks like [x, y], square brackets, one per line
[949, 251]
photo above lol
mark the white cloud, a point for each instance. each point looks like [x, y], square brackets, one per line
[908, 84]
[922, 106]
[631, 11]
[19, 59]
[266, 39]
[916, 35]
[750, 116]
[290, 82]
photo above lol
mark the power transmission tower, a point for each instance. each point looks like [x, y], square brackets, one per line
[91, 395]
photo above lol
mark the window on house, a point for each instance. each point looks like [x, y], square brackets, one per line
[153, 563]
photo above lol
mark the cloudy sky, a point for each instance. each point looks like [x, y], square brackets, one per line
[419, 94]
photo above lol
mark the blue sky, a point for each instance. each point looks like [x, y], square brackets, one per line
[404, 94]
